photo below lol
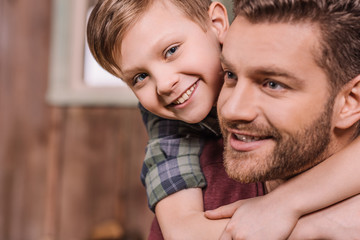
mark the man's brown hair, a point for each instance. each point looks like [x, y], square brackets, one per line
[338, 21]
[339, 24]
[110, 20]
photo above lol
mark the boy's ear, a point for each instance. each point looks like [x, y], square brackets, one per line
[349, 112]
[219, 19]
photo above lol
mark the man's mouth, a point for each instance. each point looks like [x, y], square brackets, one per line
[185, 96]
[248, 142]
[248, 138]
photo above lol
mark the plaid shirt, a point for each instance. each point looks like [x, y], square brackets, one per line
[172, 155]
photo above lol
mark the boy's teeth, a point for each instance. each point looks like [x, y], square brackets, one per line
[185, 96]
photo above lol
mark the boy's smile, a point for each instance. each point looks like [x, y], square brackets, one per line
[186, 95]
[173, 68]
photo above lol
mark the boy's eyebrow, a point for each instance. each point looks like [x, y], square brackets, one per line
[128, 74]
[157, 46]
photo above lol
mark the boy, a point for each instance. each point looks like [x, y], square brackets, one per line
[168, 53]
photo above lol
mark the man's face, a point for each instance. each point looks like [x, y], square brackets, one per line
[275, 109]
[172, 64]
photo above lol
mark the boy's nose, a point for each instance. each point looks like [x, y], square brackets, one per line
[238, 104]
[166, 84]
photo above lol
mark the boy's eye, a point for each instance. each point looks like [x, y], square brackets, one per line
[171, 51]
[139, 78]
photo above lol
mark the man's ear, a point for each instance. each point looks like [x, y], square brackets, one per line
[349, 112]
[219, 20]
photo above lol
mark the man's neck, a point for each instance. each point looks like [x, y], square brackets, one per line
[271, 185]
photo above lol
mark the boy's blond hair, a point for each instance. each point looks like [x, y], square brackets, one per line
[110, 20]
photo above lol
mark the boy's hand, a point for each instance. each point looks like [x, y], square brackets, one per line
[226, 211]
[256, 218]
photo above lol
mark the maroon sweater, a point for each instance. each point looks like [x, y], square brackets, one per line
[220, 190]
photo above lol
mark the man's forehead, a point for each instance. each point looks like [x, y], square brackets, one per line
[287, 56]
[275, 41]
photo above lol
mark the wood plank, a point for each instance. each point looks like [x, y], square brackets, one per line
[24, 117]
[54, 157]
[104, 148]
[63, 171]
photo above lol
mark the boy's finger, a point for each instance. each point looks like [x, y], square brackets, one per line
[222, 212]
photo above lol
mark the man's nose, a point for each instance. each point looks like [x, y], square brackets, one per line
[239, 104]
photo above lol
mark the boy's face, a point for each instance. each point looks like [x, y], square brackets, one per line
[171, 64]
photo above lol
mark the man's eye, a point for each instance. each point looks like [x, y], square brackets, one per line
[230, 79]
[139, 78]
[273, 85]
[229, 75]
[171, 51]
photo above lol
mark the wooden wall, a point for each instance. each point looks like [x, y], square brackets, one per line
[64, 172]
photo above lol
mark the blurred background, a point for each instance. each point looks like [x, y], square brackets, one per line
[70, 152]
[67, 172]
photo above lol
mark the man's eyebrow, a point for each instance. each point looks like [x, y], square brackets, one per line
[275, 72]
[271, 71]
[225, 62]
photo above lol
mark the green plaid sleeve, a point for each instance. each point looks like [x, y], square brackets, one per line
[172, 158]
[164, 173]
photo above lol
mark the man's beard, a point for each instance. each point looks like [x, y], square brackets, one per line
[292, 153]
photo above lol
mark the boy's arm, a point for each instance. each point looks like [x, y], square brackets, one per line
[172, 158]
[340, 221]
[163, 175]
[181, 216]
[180, 211]
[173, 177]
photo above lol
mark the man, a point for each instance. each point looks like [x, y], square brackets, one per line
[291, 96]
